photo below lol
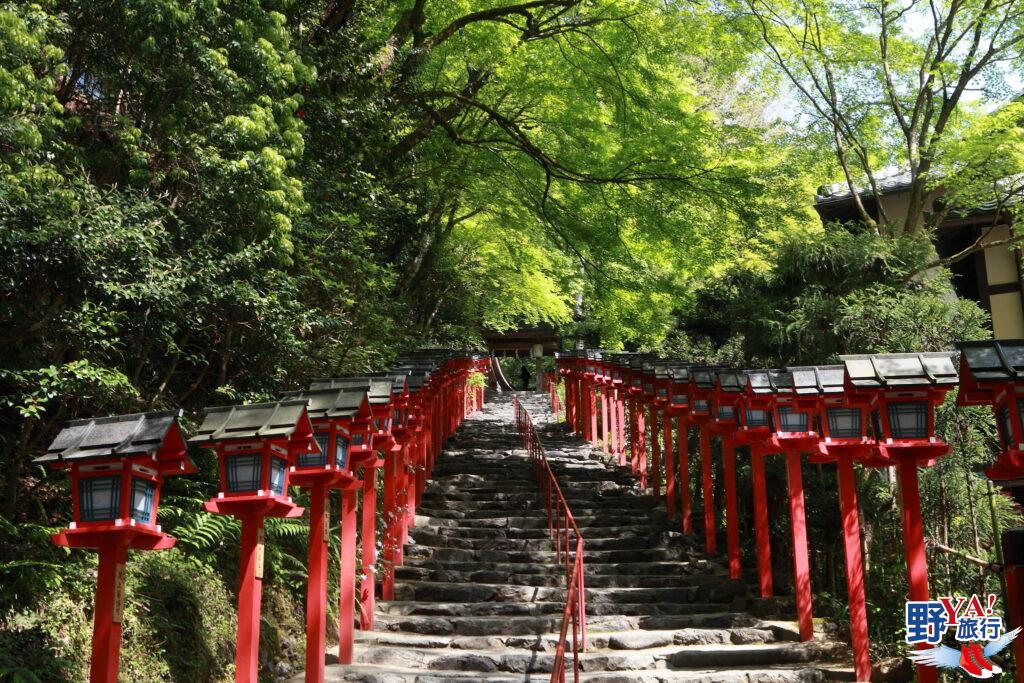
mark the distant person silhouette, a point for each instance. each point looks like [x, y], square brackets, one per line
[524, 373]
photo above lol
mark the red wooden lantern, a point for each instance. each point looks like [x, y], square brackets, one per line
[901, 391]
[679, 408]
[587, 391]
[992, 373]
[395, 484]
[844, 438]
[256, 445]
[603, 380]
[619, 369]
[340, 417]
[701, 394]
[756, 425]
[726, 407]
[773, 408]
[381, 440]
[117, 467]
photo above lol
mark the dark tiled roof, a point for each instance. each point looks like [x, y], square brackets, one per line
[253, 421]
[328, 403]
[732, 381]
[900, 370]
[117, 436]
[378, 388]
[818, 379]
[887, 184]
[763, 381]
[992, 360]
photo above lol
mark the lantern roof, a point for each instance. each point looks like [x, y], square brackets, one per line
[253, 421]
[993, 360]
[332, 403]
[399, 380]
[379, 388]
[155, 434]
[818, 379]
[636, 363]
[417, 378]
[888, 370]
[662, 371]
[763, 381]
[703, 377]
[731, 381]
[680, 373]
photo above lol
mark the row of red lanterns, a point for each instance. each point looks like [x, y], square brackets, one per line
[319, 439]
[875, 410]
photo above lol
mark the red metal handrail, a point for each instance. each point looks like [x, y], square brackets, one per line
[563, 529]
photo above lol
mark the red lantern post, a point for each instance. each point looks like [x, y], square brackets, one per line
[702, 387]
[256, 445]
[844, 440]
[340, 418]
[650, 472]
[679, 407]
[620, 373]
[793, 434]
[663, 385]
[727, 403]
[117, 467]
[755, 430]
[992, 373]
[901, 392]
[637, 423]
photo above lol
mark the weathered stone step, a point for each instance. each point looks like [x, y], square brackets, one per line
[651, 521]
[537, 625]
[626, 541]
[679, 568]
[496, 487]
[368, 673]
[555, 580]
[533, 609]
[614, 640]
[525, 661]
[474, 475]
[533, 508]
[590, 555]
[439, 591]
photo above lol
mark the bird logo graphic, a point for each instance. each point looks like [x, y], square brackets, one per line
[971, 657]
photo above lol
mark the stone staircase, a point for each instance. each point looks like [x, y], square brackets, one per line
[481, 595]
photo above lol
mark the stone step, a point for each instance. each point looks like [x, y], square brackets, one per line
[635, 541]
[533, 609]
[434, 490]
[365, 673]
[514, 660]
[650, 521]
[531, 508]
[548, 557]
[606, 640]
[679, 568]
[490, 500]
[556, 579]
[723, 591]
[508, 625]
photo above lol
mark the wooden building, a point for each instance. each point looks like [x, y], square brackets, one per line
[991, 277]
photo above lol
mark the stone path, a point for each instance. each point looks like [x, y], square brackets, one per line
[480, 597]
